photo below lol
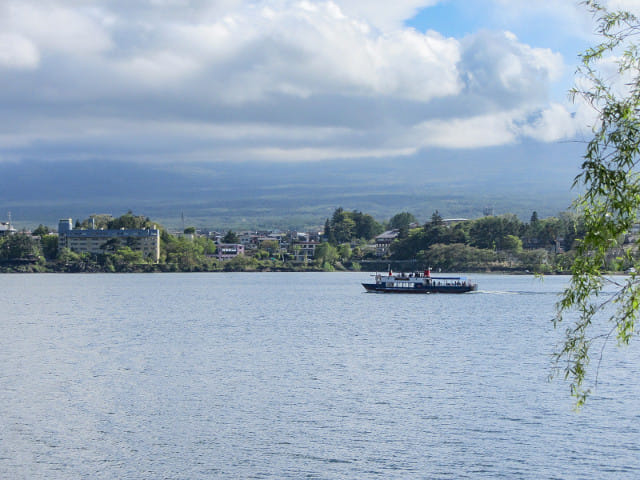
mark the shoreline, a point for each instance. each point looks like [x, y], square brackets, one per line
[487, 271]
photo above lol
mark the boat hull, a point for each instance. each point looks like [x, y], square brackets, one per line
[378, 288]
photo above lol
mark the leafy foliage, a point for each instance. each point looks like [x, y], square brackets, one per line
[492, 232]
[18, 246]
[230, 237]
[49, 245]
[40, 230]
[456, 256]
[402, 220]
[611, 200]
[326, 254]
[350, 226]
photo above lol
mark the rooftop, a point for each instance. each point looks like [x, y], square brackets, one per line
[113, 233]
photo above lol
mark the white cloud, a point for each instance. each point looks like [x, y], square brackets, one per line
[300, 49]
[384, 14]
[553, 124]
[17, 52]
[56, 26]
[475, 132]
[497, 66]
[278, 79]
[418, 66]
[157, 69]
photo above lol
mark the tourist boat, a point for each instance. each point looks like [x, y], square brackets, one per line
[419, 282]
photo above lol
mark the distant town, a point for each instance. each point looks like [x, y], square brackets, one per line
[349, 240]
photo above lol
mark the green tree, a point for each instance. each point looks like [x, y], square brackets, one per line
[67, 256]
[344, 252]
[328, 232]
[436, 218]
[49, 245]
[512, 244]
[190, 231]
[271, 246]
[230, 237]
[350, 226]
[491, 232]
[455, 257]
[366, 226]
[400, 220]
[129, 221]
[407, 246]
[101, 220]
[343, 226]
[535, 260]
[124, 259]
[325, 253]
[110, 245]
[40, 231]
[186, 255]
[610, 202]
[240, 263]
[550, 231]
[572, 228]
[534, 218]
[19, 245]
[207, 245]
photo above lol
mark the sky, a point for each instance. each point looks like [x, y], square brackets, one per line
[182, 81]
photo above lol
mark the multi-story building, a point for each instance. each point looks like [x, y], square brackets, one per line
[94, 241]
[225, 251]
[250, 240]
[304, 251]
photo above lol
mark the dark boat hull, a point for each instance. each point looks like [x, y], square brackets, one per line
[373, 287]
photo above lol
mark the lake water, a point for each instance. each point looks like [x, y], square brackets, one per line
[295, 375]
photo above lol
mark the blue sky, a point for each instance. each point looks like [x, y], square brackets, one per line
[537, 27]
[170, 81]
[564, 30]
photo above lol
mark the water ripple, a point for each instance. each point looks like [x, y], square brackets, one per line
[198, 376]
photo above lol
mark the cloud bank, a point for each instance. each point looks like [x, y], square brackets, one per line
[283, 80]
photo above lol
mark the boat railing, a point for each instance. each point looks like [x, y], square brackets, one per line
[436, 281]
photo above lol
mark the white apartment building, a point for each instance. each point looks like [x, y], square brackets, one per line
[94, 241]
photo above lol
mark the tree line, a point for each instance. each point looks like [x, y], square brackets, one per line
[492, 243]
[501, 243]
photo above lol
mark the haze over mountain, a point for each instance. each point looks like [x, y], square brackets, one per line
[283, 195]
[273, 113]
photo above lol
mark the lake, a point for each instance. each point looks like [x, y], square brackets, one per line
[298, 375]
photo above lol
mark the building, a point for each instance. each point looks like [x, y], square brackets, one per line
[384, 240]
[304, 251]
[225, 251]
[94, 241]
[452, 221]
[250, 240]
[6, 229]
